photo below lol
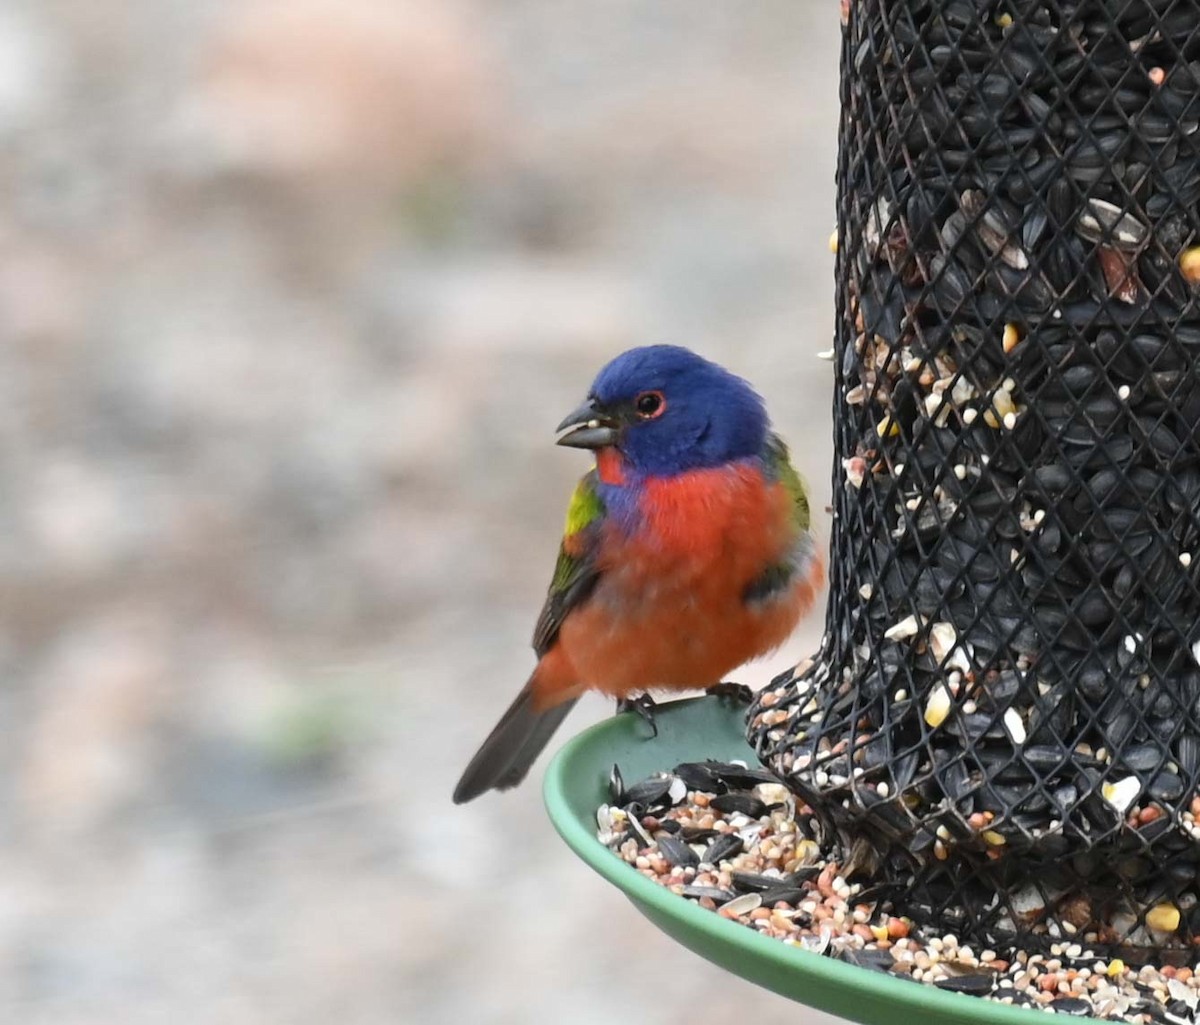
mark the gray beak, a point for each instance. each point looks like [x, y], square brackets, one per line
[587, 427]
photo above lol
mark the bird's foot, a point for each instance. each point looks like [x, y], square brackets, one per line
[738, 693]
[644, 705]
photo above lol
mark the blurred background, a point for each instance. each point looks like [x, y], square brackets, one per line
[292, 294]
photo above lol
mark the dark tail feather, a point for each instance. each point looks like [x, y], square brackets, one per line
[512, 747]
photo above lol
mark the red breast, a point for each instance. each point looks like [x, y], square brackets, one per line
[668, 612]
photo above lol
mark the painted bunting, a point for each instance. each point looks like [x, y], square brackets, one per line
[687, 550]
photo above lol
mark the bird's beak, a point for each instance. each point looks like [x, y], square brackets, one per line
[587, 427]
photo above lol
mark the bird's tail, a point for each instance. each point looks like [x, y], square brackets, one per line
[504, 759]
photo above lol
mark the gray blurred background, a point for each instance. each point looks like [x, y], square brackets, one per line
[292, 294]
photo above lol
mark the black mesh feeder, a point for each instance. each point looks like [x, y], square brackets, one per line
[1003, 723]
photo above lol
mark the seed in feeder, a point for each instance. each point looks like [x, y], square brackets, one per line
[1185, 559]
[960, 471]
[887, 427]
[1196, 651]
[1115, 967]
[1189, 265]
[833, 241]
[937, 409]
[1004, 20]
[1012, 337]
[937, 707]
[1027, 903]
[1101, 221]
[969, 415]
[1122, 793]
[962, 391]
[990, 836]
[856, 470]
[1163, 918]
[826, 354]
[1157, 75]
[1010, 420]
[1120, 269]
[742, 905]
[907, 627]
[1002, 402]
[1014, 725]
[942, 637]
[865, 591]
[1123, 392]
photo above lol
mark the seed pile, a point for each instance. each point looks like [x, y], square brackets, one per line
[735, 841]
[1006, 708]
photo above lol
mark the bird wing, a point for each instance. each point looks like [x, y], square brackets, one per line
[778, 578]
[779, 466]
[576, 572]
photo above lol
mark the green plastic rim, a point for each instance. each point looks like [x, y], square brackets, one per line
[577, 783]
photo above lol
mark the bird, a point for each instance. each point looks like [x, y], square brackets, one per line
[687, 551]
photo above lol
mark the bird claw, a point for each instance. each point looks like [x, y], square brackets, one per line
[644, 705]
[738, 693]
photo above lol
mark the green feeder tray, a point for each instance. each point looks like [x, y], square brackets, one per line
[577, 784]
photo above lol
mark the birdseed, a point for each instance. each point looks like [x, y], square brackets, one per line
[772, 873]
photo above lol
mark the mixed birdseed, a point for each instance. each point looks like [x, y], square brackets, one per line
[734, 840]
[1006, 708]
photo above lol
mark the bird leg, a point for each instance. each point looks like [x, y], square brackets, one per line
[735, 692]
[644, 705]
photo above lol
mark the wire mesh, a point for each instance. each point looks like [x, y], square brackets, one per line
[1004, 719]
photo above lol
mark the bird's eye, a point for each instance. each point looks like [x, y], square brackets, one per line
[650, 404]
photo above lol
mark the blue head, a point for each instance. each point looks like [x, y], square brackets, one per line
[667, 410]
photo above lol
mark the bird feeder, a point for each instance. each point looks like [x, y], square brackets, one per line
[999, 738]
[1003, 721]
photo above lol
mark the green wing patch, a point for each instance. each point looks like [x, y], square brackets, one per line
[575, 572]
[776, 579]
[780, 464]
[585, 508]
